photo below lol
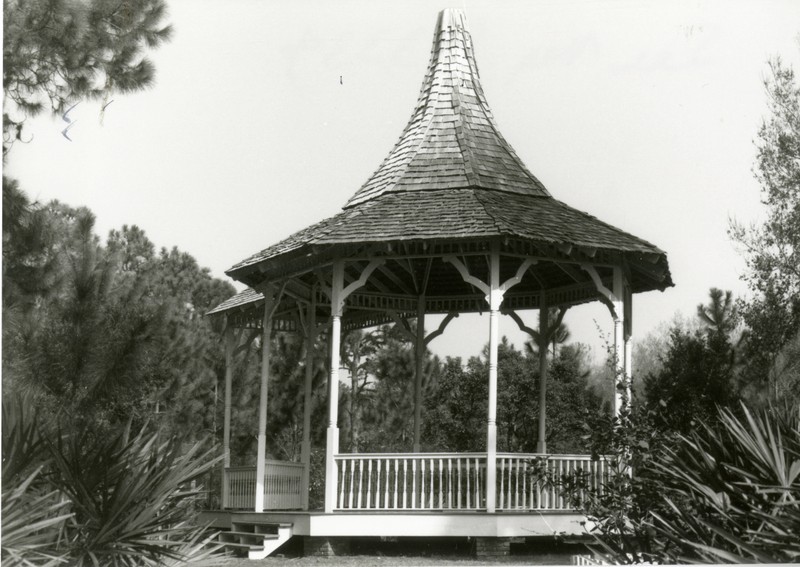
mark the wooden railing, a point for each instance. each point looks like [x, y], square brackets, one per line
[537, 482]
[282, 486]
[240, 488]
[402, 481]
[457, 481]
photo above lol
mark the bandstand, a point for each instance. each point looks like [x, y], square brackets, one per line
[451, 222]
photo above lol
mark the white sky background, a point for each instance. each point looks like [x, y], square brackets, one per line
[641, 113]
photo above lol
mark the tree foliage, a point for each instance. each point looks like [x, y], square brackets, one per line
[106, 334]
[772, 250]
[59, 52]
[696, 377]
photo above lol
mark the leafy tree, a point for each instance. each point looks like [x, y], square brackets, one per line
[59, 52]
[569, 399]
[772, 250]
[117, 332]
[357, 348]
[388, 416]
[456, 405]
[720, 315]
[696, 377]
[456, 409]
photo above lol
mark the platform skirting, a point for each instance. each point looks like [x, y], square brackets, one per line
[413, 524]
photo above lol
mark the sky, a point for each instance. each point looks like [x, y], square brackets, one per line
[267, 116]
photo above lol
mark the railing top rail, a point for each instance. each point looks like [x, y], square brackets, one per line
[351, 456]
[547, 456]
[450, 455]
[283, 463]
[240, 468]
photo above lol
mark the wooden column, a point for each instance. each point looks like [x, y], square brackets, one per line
[419, 352]
[338, 293]
[619, 339]
[494, 296]
[226, 424]
[495, 300]
[269, 305]
[614, 299]
[627, 332]
[332, 442]
[544, 336]
[305, 450]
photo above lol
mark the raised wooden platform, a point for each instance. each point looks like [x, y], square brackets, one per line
[412, 524]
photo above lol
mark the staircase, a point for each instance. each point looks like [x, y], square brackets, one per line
[257, 539]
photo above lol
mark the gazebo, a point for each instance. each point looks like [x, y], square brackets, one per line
[451, 222]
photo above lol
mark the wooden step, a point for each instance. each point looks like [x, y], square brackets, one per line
[248, 535]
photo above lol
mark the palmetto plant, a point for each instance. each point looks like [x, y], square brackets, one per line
[733, 490]
[33, 513]
[133, 501]
[110, 501]
[728, 492]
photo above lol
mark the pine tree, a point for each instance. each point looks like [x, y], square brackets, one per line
[59, 52]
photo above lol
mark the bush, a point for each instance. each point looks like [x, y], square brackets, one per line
[83, 500]
[729, 491]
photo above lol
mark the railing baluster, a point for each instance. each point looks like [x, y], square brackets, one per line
[405, 482]
[450, 483]
[458, 473]
[386, 485]
[525, 484]
[360, 482]
[468, 487]
[431, 503]
[369, 483]
[413, 483]
[395, 482]
[378, 485]
[502, 482]
[343, 465]
[478, 491]
[352, 479]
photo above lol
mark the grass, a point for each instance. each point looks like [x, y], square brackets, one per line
[408, 553]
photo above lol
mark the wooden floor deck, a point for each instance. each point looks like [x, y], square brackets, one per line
[413, 523]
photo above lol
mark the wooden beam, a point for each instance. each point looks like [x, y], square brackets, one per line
[395, 280]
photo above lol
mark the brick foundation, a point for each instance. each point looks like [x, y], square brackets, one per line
[325, 546]
[491, 547]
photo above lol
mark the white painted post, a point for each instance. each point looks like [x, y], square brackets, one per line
[269, 302]
[305, 448]
[627, 332]
[419, 352]
[495, 299]
[226, 423]
[332, 445]
[619, 340]
[541, 444]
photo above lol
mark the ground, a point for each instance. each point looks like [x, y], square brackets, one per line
[403, 554]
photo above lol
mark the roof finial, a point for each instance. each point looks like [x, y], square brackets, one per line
[451, 141]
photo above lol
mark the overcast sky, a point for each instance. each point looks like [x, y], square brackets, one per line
[641, 113]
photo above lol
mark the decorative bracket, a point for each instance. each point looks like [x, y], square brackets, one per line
[406, 328]
[339, 296]
[270, 293]
[493, 297]
[606, 295]
[533, 332]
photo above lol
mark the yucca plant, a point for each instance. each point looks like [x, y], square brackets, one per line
[134, 501]
[78, 499]
[32, 522]
[33, 513]
[733, 490]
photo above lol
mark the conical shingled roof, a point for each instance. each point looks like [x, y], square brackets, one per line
[451, 141]
[452, 180]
